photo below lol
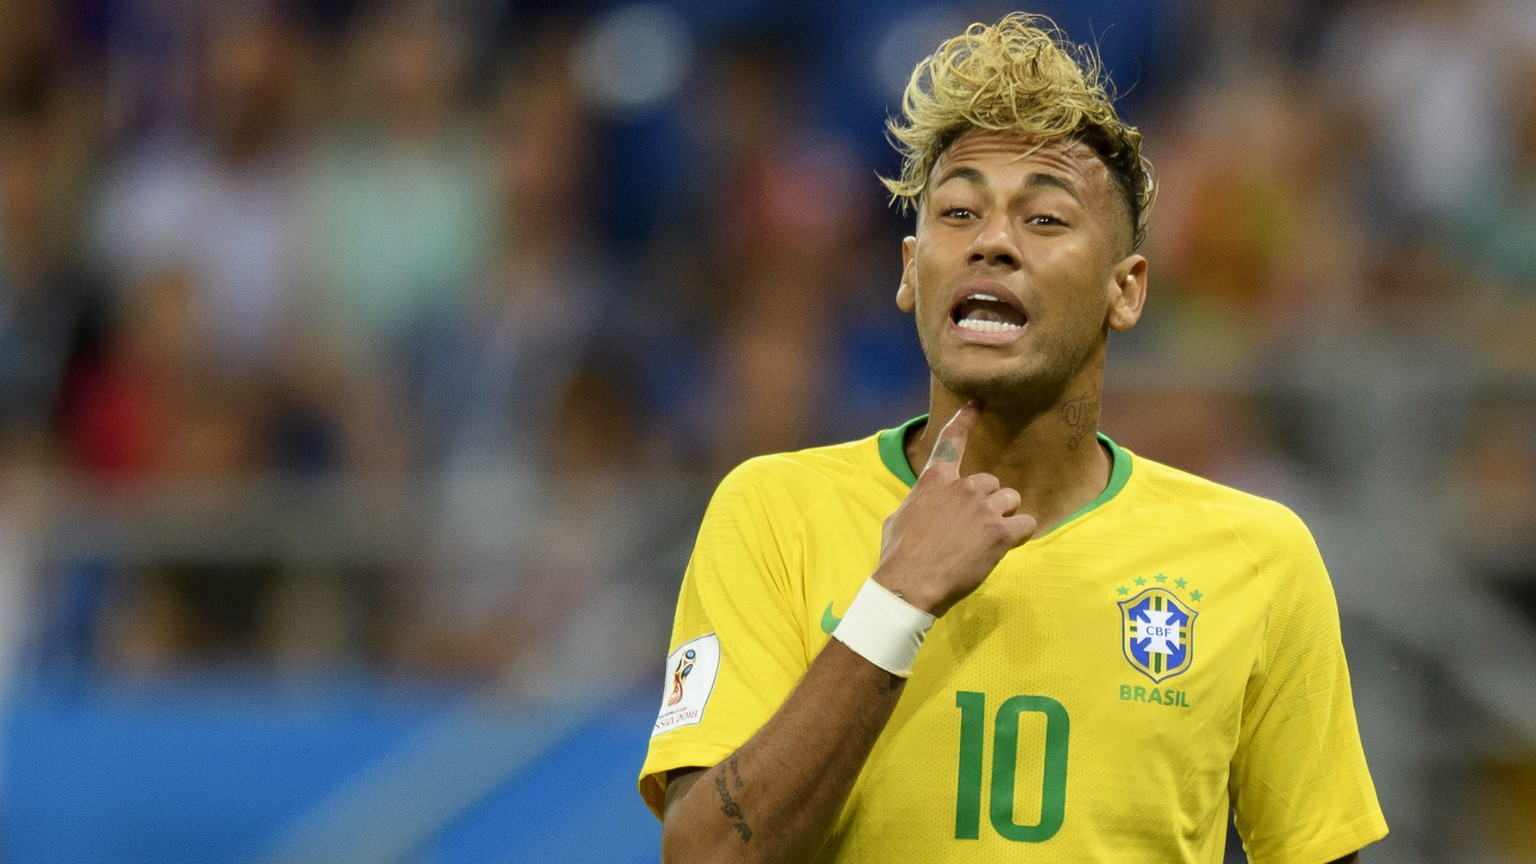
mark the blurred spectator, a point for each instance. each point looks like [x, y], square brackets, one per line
[397, 209]
[1376, 390]
[490, 381]
[214, 198]
[1421, 71]
[194, 224]
[1254, 235]
[540, 590]
[24, 503]
[1492, 494]
[1499, 221]
[589, 618]
[546, 291]
[779, 215]
[49, 310]
[878, 376]
[1233, 41]
[152, 408]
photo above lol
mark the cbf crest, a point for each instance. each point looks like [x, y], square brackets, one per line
[1157, 631]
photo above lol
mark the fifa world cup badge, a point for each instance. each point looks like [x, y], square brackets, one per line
[691, 671]
[679, 672]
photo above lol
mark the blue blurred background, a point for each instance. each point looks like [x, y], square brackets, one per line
[365, 367]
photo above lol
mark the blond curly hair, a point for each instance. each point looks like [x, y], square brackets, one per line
[1020, 74]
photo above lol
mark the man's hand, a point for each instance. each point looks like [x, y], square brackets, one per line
[951, 531]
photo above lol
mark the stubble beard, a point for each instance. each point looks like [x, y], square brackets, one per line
[1034, 384]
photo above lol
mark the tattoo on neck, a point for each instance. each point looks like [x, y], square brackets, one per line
[728, 805]
[1080, 417]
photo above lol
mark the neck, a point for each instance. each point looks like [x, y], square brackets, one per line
[1050, 455]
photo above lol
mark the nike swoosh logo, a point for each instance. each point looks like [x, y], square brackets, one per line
[829, 621]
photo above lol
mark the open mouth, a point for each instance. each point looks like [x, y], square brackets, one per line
[987, 313]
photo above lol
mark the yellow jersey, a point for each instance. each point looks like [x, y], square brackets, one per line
[1113, 688]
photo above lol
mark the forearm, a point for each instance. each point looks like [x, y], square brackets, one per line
[778, 796]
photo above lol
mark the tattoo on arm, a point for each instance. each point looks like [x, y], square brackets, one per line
[728, 805]
[891, 685]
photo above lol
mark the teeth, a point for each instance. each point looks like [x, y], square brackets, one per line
[988, 326]
[982, 297]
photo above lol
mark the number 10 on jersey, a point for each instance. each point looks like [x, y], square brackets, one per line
[1005, 761]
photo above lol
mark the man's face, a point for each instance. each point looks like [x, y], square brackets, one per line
[1019, 267]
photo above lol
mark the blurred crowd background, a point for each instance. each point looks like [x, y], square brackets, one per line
[400, 344]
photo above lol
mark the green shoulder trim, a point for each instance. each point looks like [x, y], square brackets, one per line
[893, 450]
[893, 453]
[1119, 475]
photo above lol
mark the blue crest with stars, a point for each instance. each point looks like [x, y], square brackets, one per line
[1157, 631]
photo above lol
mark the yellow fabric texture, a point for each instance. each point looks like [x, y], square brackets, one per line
[1034, 674]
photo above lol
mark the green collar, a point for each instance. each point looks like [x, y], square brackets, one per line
[893, 454]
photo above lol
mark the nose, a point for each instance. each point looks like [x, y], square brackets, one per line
[994, 242]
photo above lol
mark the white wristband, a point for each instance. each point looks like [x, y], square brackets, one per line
[883, 628]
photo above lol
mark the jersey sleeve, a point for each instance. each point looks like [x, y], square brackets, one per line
[1301, 792]
[736, 612]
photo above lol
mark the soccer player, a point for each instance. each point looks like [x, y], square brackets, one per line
[991, 633]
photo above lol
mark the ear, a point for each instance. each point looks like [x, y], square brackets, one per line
[906, 295]
[1128, 293]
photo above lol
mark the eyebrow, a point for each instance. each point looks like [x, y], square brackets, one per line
[1035, 180]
